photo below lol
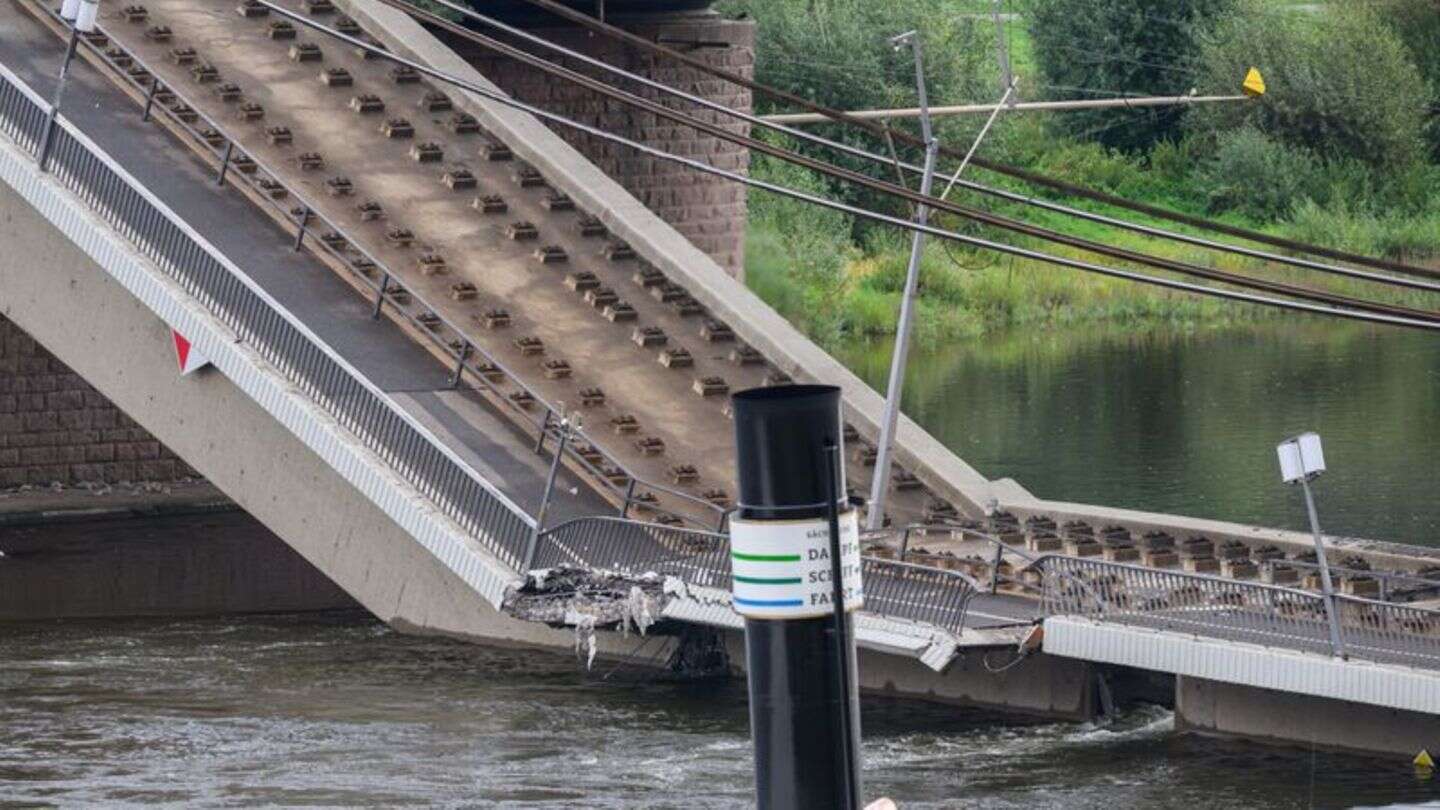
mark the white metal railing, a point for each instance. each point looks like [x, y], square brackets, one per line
[420, 458]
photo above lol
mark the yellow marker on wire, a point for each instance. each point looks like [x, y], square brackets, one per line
[1254, 84]
[1423, 761]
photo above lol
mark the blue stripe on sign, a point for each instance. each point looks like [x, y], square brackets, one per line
[770, 602]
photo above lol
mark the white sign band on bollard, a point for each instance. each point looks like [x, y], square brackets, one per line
[782, 567]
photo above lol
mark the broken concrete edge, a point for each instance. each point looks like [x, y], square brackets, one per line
[934, 647]
[660, 244]
[937, 467]
[246, 369]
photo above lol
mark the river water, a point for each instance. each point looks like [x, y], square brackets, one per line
[1186, 421]
[339, 711]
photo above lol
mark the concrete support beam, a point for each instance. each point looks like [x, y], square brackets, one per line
[74, 307]
[1274, 717]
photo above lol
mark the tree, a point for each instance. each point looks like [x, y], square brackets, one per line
[1341, 83]
[1417, 23]
[1121, 46]
[837, 53]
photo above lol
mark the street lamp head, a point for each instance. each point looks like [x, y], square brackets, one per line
[88, 12]
[1301, 458]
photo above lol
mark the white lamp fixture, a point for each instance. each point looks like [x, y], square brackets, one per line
[89, 10]
[1301, 458]
[1301, 461]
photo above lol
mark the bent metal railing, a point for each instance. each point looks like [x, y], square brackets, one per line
[892, 589]
[290, 205]
[268, 328]
[1231, 610]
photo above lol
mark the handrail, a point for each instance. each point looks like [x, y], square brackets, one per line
[466, 357]
[415, 454]
[1236, 610]
[1388, 580]
[894, 589]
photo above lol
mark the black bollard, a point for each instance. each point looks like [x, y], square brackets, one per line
[800, 653]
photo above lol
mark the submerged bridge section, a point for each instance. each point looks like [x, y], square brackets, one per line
[399, 455]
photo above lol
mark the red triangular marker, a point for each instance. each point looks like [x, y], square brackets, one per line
[186, 356]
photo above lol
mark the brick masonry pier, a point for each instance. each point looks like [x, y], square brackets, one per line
[55, 428]
[708, 210]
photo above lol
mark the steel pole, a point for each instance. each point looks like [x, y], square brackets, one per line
[804, 712]
[891, 417]
[840, 637]
[1326, 586]
[47, 138]
[531, 547]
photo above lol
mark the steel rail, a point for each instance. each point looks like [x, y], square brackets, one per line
[770, 122]
[468, 356]
[1034, 178]
[895, 190]
[545, 115]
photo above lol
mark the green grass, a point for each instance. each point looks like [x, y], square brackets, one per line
[966, 293]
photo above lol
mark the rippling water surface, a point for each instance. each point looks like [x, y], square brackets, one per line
[339, 711]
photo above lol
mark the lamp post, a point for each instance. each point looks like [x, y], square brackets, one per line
[1302, 459]
[81, 15]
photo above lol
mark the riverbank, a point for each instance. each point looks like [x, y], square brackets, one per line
[814, 269]
[1281, 165]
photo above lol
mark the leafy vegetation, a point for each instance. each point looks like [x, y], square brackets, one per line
[1141, 46]
[1341, 152]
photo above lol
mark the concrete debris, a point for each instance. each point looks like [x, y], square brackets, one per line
[584, 637]
[589, 601]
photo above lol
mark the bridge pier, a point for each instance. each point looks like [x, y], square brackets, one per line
[708, 210]
[1284, 718]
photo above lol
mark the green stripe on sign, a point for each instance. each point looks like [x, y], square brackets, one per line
[766, 557]
[768, 581]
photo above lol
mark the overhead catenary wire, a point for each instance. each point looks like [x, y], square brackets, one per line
[1026, 175]
[973, 241]
[892, 160]
[884, 187]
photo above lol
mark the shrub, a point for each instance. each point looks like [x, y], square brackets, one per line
[1132, 46]
[836, 52]
[1341, 83]
[1417, 23]
[1259, 177]
[812, 242]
